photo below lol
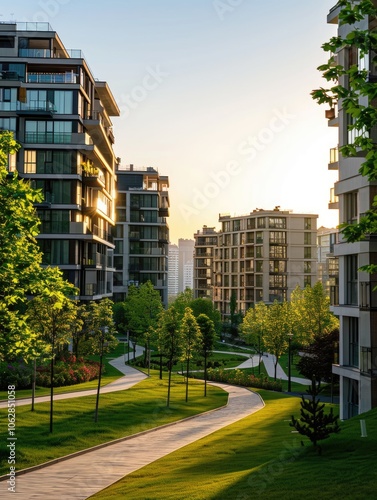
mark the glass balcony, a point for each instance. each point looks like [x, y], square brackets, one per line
[68, 77]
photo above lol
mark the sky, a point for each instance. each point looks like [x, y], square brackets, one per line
[213, 93]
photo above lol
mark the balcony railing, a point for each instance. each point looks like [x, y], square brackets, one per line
[368, 295]
[68, 77]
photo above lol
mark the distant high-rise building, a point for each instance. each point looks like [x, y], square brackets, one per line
[141, 232]
[186, 264]
[173, 270]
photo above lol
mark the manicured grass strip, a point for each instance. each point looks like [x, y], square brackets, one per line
[120, 414]
[259, 457]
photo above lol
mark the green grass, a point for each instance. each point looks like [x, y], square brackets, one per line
[120, 414]
[259, 457]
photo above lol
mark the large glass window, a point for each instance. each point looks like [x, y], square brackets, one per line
[50, 132]
[8, 124]
[351, 263]
[279, 237]
[55, 252]
[278, 266]
[54, 221]
[278, 252]
[353, 325]
[277, 222]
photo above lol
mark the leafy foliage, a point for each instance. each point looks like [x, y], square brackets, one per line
[357, 93]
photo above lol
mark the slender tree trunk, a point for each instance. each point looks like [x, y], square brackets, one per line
[169, 383]
[205, 374]
[187, 376]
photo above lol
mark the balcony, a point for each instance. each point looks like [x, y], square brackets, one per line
[333, 15]
[67, 77]
[368, 295]
[334, 200]
[334, 159]
[334, 295]
[163, 212]
[31, 108]
[332, 116]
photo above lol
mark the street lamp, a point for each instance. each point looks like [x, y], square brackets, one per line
[104, 330]
[290, 335]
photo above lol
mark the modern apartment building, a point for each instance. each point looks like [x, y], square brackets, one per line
[354, 302]
[186, 264]
[142, 231]
[173, 270]
[60, 114]
[328, 264]
[257, 257]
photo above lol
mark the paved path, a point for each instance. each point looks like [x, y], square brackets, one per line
[130, 378]
[81, 476]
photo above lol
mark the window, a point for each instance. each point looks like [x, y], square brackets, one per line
[8, 124]
[235, 239]
[121, 199]
[307, 280]
[278, 281]
[54, 221]
[236, 225]
[307, 223]
[353, 326]
[50, 132]
[259, 252]
[277, 222]
[226, 227]
[121, 215]
[307, 238]
[60, 191]
[307, 252]
[307, 267]
[278, 252]
[279, 237]
[259, 280]
[234, 253]
[351, 207]
[278, 266]
[259, 237]
[7, 42]
[259, 266]
[351, 267]
[118, 262]
[261, 222]
[250, 224]
[55, 252]
[118, 246]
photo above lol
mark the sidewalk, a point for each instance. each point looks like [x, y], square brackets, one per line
[131, 377]
[85, 473]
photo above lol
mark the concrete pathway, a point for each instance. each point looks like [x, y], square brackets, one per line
[130, 378]
[81, 475]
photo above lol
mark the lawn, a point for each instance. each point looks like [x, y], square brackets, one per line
[120, 414]
[260, 457]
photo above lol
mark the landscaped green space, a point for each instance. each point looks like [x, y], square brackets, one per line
[120, 414]
[109, 374]
[260, 457]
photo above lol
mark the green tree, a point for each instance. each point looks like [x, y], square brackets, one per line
[20, 256]
[356, 92]
[253, 327]
[207, 339]
[51, 314]
[278, 326]
[191, 338]
[183, 300]
[312, 315]
[169, 340]
[318, 357]
[206, 306]
[143, 305]
[314, 422]
[98, 327]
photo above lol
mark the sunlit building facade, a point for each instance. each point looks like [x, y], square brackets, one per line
[60, 114]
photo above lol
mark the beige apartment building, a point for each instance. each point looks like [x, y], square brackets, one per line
[257, 257]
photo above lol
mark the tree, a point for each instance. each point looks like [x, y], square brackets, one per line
[278, 326]
[52, 314]
[314, 422]
[318, 357]
[190, 340]
[169, 340]
[312, 315]
[206, 306]
[182, 301]
[98, 327]
[207, 330]
[143, 308]
[356, 92]
[20, 256]
[254, 325]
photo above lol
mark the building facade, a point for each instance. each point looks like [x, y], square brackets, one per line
[257, 257]
[141, 232]
[173, 271]
[60, 114]
[354, 300]
[328, 264]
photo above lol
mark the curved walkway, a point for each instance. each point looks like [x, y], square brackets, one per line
[81, 475]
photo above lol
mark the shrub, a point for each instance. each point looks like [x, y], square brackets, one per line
[17, 374]
[239, 377]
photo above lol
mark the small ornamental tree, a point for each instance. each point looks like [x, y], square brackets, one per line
[191, 337]
[314, 423]
[207, 330]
